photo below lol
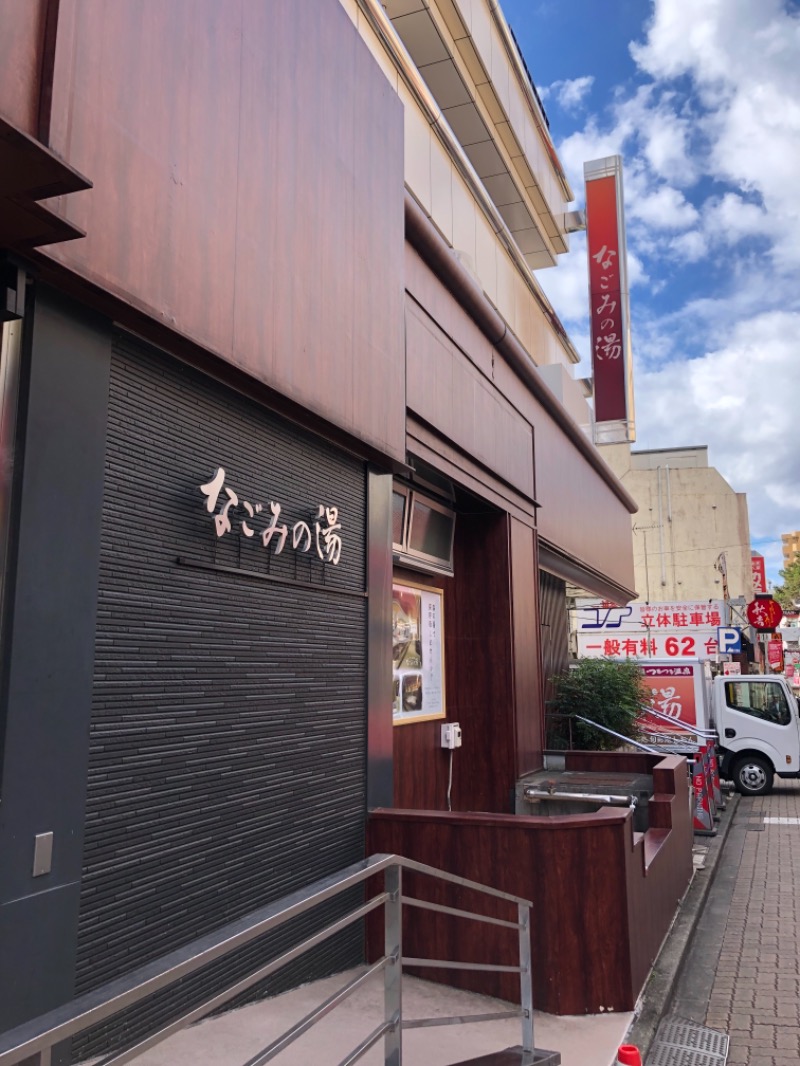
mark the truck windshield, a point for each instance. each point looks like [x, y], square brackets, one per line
[764, 700]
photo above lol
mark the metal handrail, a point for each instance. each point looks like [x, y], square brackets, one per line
[619, 736]
[703, 734]
[36, 1038]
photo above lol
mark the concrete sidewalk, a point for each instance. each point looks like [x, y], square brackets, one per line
[741, 972]
[743, 976]
[237, 1036]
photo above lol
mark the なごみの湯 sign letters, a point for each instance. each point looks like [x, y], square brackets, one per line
[256, 520]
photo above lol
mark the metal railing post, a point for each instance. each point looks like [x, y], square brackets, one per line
[393, 974]
[525, 977]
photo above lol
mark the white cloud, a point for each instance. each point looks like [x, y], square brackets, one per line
[709, 131]
[690, 247]
[664, 208]
[567, 285]
[570, 94]
[730, 218]
[742, 59]
[667, 144]
[738, 399]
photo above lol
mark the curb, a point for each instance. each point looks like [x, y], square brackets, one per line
[656, 996]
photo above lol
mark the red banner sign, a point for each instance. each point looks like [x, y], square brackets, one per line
[759, 572]
[775, 653]
[764, 613]
[606, 248]
[672, 691]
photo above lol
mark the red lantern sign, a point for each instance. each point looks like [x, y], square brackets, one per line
[764, 613]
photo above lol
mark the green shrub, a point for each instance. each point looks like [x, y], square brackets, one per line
[609, 692]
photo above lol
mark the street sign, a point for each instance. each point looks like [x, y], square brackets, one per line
[759, 572]
[729, 640]
[731, 669]
[682, 630]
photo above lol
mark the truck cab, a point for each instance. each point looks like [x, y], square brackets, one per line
[756, 719]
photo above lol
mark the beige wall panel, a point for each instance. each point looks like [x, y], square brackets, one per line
[442, 179]
[506, 275]
[417, 149]
[481, 30]
[501, 71]
[486, 256]
[538, 344]
[464, 219]
[523, 318]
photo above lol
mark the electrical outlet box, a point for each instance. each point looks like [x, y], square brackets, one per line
[451, 735]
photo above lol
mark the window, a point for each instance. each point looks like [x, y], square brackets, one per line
[399, 517]
[422, 531]
[765, 700]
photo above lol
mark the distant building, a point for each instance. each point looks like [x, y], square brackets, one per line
[691, 525]
[790, 542]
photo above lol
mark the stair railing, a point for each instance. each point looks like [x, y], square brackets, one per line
[32, 1043]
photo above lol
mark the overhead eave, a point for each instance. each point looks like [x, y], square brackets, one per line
[382, 26]
[30, 172]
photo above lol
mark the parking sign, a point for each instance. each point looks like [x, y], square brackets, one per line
[729, 640]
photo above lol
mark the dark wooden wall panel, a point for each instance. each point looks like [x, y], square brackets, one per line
[664, 854]
[247, 161]
[428, 292]
[587, 522]
[450, 393]
[585, 956]
[22, 36]
[580, 952]
[479, 681]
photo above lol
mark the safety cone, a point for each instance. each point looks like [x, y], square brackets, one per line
[703, 820]
[628, 1055]
[719, 798]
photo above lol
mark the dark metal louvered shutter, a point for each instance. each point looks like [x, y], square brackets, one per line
[227, 751]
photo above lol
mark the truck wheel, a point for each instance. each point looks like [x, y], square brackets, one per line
[753, 776]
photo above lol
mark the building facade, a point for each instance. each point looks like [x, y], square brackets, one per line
[271, 350]
[691, 534]
[790, 544]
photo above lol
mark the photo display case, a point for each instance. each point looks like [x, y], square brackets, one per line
[417, 653]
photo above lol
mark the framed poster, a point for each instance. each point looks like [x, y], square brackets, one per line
[417, 653]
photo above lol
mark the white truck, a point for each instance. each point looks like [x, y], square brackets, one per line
[756, 719]
[755, 716]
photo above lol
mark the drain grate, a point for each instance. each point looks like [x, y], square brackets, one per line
[682, 1043]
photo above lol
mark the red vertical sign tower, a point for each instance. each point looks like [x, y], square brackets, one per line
[609, 301]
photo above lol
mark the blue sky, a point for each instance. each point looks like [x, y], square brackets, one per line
[702, 100]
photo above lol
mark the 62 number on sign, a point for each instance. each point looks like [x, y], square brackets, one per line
[679, 646]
